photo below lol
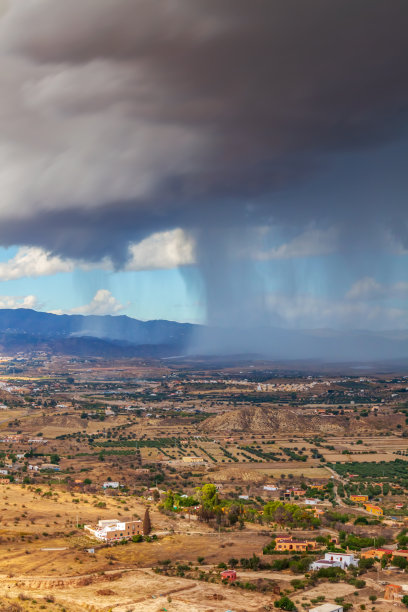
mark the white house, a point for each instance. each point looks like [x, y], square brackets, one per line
[323, 563]
[110, 485]
[113, 530]
[327, 607]
[331, 559]
[270, 488]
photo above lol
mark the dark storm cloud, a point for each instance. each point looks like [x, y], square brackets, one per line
[125, 117]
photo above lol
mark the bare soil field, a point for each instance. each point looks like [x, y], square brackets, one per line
[135, 590]
[33, 524]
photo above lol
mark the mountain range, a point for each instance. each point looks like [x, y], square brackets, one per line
[28, 330]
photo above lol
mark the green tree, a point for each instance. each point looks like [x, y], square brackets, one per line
[400, 562]
[233, 514]
[169, 501]
[208, 496]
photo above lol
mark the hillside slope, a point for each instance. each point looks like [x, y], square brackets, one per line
[261, 419]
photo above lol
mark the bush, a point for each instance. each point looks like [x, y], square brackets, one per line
[400, 562]
[300, 565]
[364, 565]
[280, 564]
[359, 584]
[137, 538]
[330, 572]
[284, 603]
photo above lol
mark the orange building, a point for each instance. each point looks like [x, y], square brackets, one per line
[376, 510]
[393, 592]
[376, 553]
[289, 544]
[298, 492]
[359, 498]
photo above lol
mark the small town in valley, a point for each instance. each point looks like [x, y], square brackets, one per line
[132, 484]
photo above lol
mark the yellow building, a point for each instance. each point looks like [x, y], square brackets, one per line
[376, 510]
[289, 544]
[376, 553]
[359, 498]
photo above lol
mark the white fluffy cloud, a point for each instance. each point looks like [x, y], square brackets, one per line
[368, 288]
[33, 261]
[19, 301]
[162, 250]
[103, 303]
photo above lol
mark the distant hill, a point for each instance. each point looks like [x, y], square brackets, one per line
[110, 336]
[264, 419]
[261, 419]
[22, 320]
[121, 336]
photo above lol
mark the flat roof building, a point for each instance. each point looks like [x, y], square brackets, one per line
[327, 607]
[114, 531]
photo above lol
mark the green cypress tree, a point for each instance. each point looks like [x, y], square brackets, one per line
[147, 526]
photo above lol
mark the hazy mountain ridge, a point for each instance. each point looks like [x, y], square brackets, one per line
[123, 336]
[121, 327]
[110, 336]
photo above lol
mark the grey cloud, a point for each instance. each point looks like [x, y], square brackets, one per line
[259, 86]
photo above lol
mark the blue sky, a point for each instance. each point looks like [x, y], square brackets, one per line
[148, 294]
[298, 289]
